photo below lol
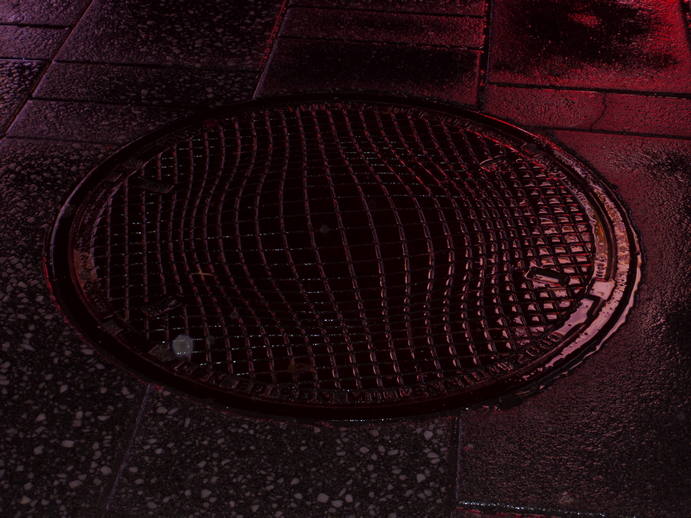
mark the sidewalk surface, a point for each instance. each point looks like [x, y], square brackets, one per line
[607, 79]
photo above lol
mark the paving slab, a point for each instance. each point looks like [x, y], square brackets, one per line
[465, 7]
[592, 110]
[190, 460]
[398, 28]
[41, 12]
[17, 78]
[65, 411]
[200, 33]
[90, 122]
[299, 66]
[30, 42]
[142, 84]
[598, 44]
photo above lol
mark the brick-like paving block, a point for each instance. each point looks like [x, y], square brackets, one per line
[200, 33]
[596, 44]
[646, 114]
[386, 27]
[474, 7]
[128, 84]
[332, 66]
[593, 110]
[88, 122]
[544, 107]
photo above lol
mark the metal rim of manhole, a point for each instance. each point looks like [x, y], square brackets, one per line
[344, 257]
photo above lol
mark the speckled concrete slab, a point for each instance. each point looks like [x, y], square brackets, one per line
[54, 12]
[200, 33]
[16, 80]
[146, 85]
[90, 122]
[30, 42]
[64, 411]
[191, 460]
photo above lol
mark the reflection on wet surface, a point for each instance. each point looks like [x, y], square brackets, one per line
[597, 31]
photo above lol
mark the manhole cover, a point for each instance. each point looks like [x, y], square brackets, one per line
[343, 258]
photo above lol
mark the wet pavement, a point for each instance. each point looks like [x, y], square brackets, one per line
[606, 79]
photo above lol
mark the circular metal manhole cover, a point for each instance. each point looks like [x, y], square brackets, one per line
[343, 258]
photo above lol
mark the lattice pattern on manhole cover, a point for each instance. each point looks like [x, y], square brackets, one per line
[343, 258]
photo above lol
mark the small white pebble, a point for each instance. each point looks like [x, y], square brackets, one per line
[183, 346]
[67, 443]
[429, 434]
[420, 477]
[205, 493]
[322, 498]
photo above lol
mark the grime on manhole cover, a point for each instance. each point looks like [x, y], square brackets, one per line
[344, 258]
